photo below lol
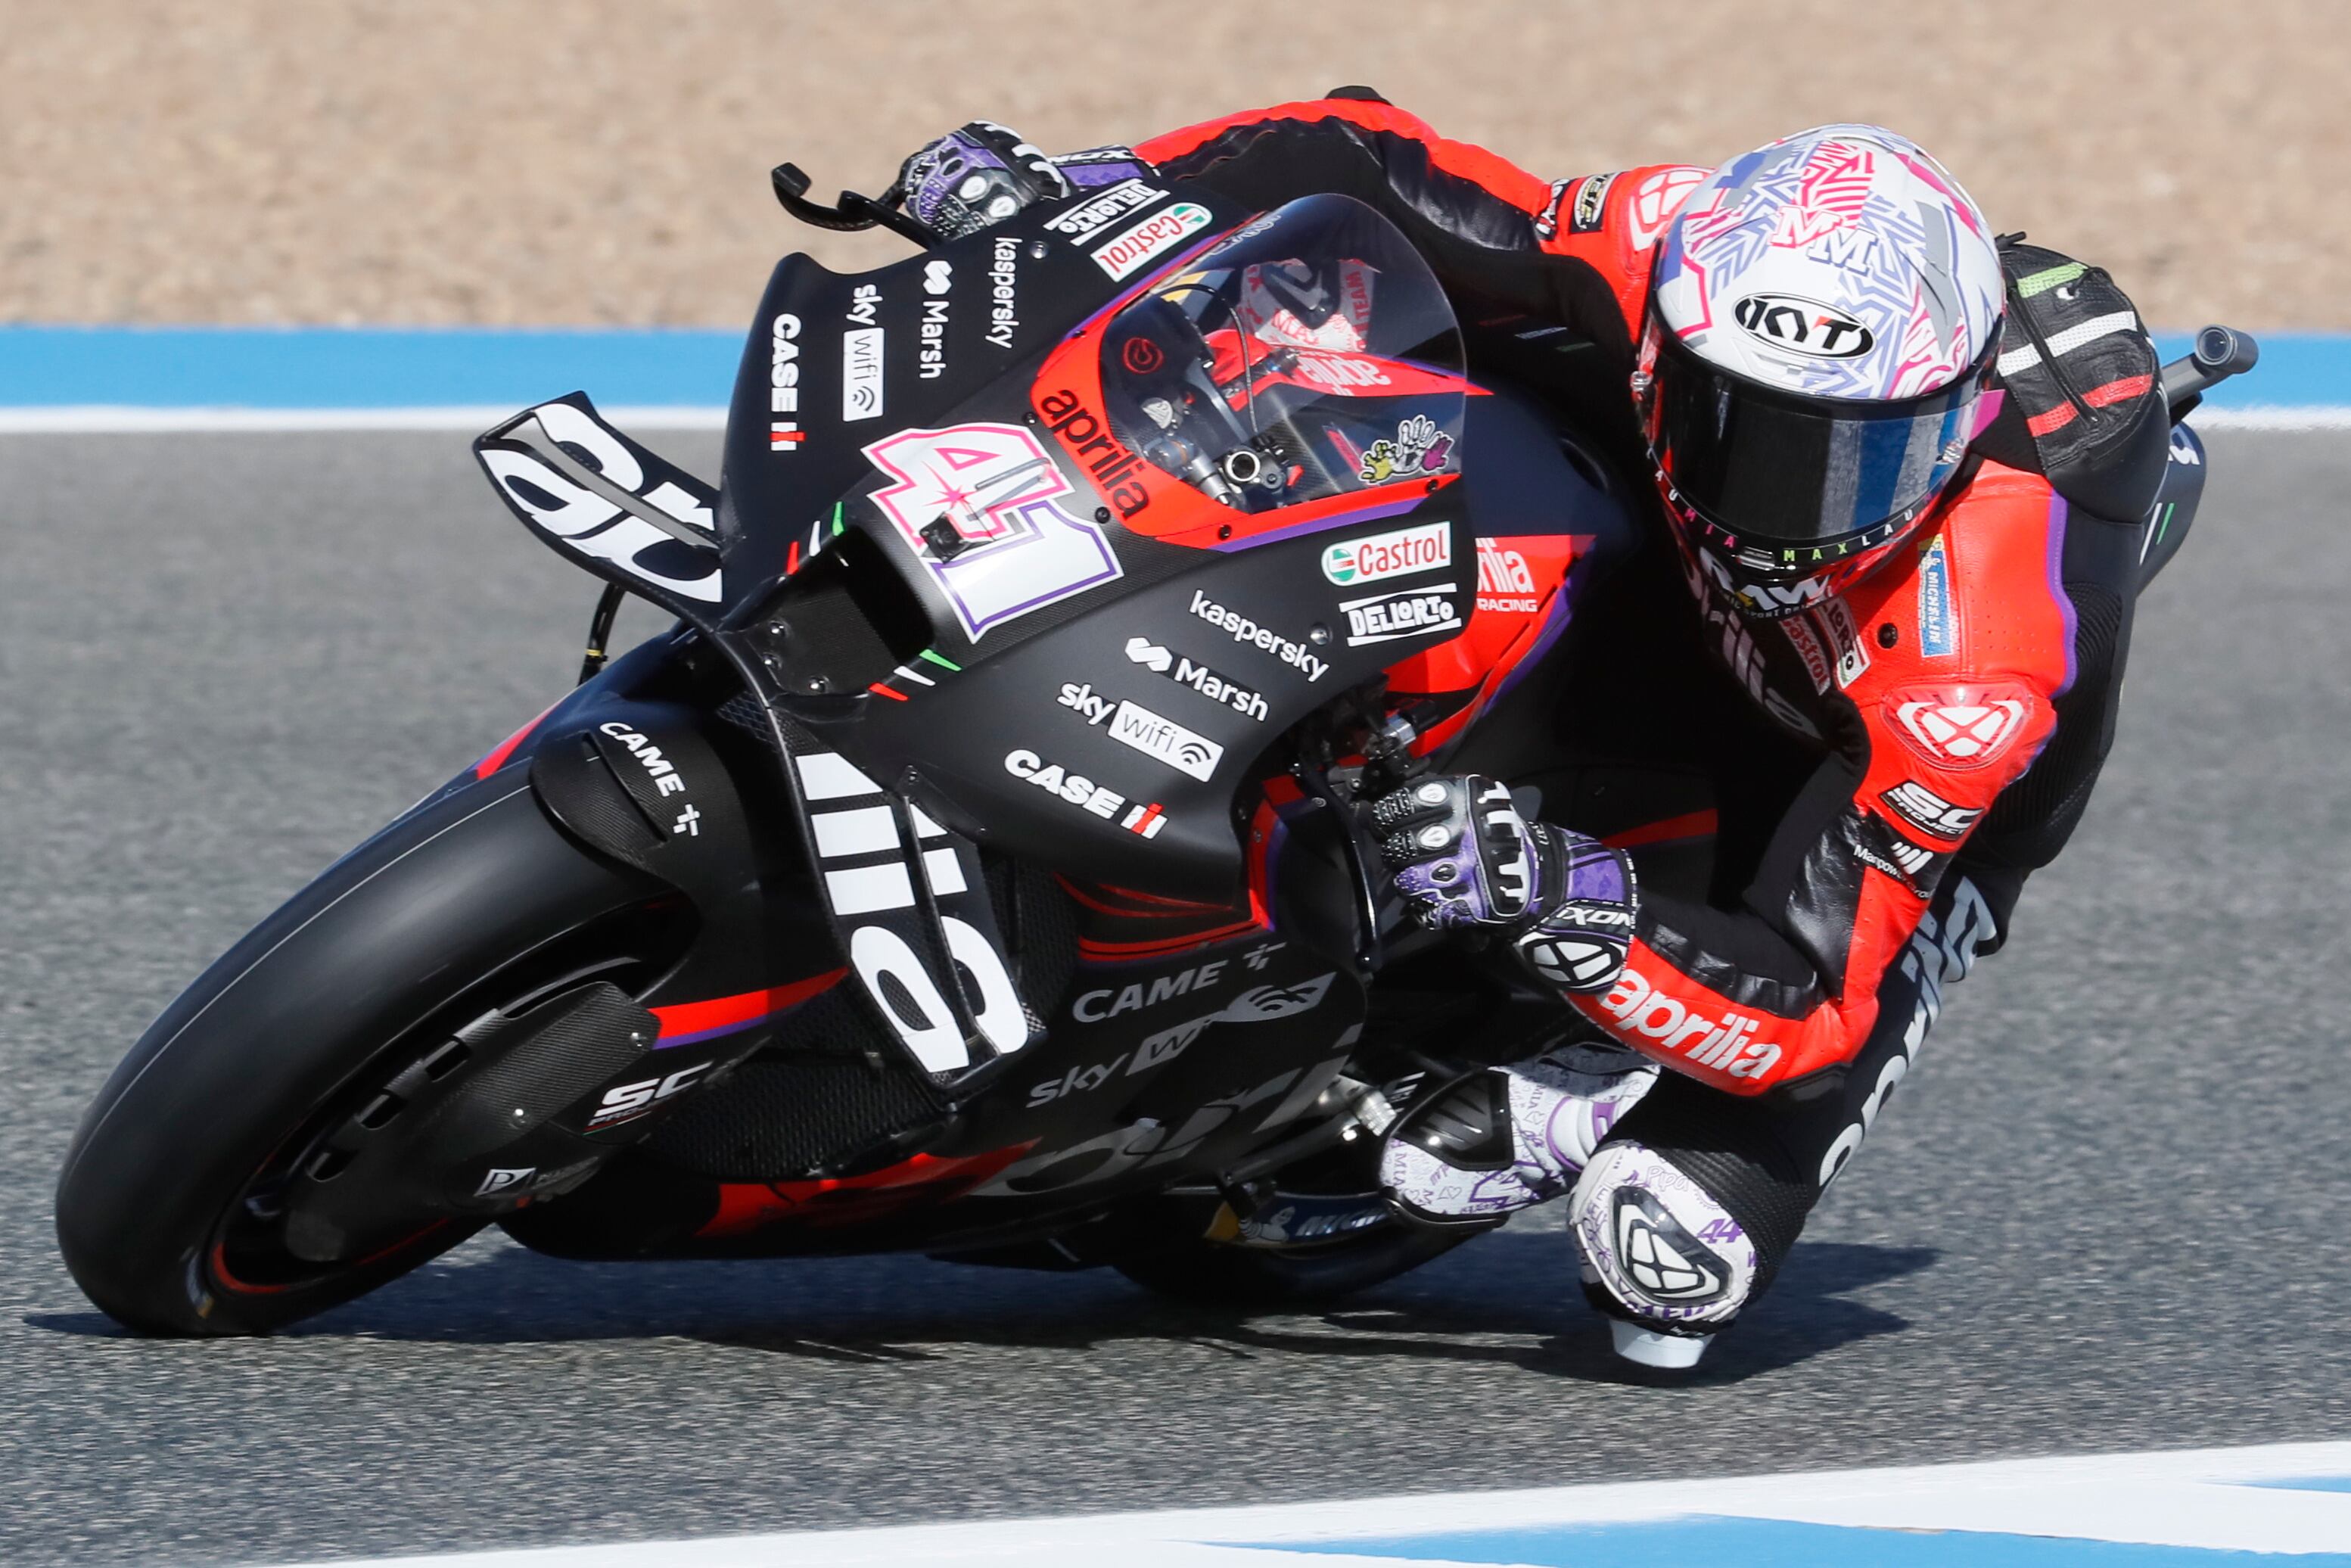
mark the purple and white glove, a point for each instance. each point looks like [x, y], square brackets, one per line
[1464, 856]
[972, 179]
[980, 175]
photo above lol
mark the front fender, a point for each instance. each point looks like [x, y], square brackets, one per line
[639, 768]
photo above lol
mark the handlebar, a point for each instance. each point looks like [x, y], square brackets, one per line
[2220, 352]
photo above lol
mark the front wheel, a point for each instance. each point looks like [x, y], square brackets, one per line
[344, 1012]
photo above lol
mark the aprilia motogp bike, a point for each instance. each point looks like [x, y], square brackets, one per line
[980, 866]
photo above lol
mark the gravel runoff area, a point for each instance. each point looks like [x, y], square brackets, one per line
[2103, 1215]
[496, 162]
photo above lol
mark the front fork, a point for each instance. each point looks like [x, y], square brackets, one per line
[1348, 791]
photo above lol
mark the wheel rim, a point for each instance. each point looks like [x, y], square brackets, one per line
[258, 1251]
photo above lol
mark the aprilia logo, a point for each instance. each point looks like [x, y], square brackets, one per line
[1728, 1045]
[1504, 571]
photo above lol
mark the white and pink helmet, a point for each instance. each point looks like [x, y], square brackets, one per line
[1823, 317]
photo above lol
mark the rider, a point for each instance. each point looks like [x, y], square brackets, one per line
[1902, 482]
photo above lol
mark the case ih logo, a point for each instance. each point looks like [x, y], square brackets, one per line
[784, 390]
[1121, 253]
[1428, 547]
[1804, 326]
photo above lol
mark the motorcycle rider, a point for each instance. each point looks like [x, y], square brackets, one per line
[1886, 487]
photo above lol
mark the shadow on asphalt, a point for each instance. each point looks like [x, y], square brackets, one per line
[1508, 1299]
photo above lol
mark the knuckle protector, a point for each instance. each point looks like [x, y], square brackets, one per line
[1583, 934]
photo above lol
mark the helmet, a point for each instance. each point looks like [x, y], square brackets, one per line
[1823, 324]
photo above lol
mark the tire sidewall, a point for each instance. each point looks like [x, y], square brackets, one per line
[382, 944]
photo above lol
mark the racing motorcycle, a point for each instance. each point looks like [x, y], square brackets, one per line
[980, 866]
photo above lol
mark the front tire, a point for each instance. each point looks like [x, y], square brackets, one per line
[475, 902]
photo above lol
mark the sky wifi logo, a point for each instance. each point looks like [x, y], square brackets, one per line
[1137, 727]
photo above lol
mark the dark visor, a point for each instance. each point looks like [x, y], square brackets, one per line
[1782, 472]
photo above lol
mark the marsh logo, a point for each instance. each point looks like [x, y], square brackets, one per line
[1805, 327]
[938, 280]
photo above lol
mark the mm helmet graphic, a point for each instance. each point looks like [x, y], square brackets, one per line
[1823, 319]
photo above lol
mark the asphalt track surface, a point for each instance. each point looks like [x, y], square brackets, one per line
[2107, 1214]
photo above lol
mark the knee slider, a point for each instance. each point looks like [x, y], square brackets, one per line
[1687, 1211]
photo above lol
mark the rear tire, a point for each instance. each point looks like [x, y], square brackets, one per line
[1334, 1195]
[473, 902]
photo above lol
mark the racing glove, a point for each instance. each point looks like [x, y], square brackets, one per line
[1464, 856]
[972, 179]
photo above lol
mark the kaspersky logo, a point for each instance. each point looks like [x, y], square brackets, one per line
[1728, 1044]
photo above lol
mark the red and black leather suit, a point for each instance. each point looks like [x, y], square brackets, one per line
[1887, 767]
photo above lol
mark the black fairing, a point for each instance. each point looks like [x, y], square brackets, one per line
[866, 649]
[964, 328]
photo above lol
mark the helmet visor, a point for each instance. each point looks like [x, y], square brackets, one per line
[1793, 475]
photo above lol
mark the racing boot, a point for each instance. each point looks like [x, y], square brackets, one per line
[1473, 1151]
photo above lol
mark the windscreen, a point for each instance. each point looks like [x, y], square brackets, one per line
[1310, 354]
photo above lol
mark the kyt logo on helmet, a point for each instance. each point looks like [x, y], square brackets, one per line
[1823, 321]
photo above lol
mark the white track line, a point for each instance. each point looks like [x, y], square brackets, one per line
[127, 420]
[124, 421]
[2272, 417]
[2192, 1498]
